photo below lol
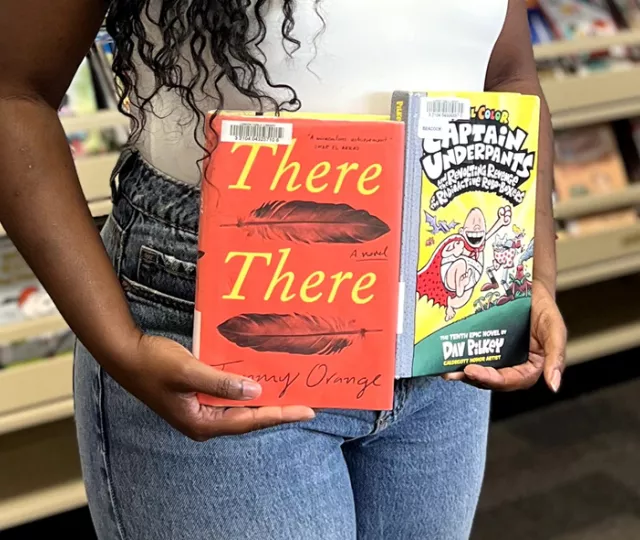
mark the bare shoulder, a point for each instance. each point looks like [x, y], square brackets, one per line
[43, 46]
[512, 58]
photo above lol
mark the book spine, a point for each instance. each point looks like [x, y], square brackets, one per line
[533, 189]
[208, 200]
[197, 309]
[405, 108]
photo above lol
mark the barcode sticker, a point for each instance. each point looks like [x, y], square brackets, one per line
[445, 108]
[256, 132]
[437, 113]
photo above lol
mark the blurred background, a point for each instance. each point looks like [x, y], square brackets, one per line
[560, 467]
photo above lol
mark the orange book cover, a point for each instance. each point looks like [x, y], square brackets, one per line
[299, 256]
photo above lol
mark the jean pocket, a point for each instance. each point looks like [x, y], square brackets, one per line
[149, 296]
[169, 276]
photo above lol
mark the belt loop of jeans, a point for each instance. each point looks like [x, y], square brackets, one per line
[113, 181]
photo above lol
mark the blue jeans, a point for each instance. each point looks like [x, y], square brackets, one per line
[411, 473]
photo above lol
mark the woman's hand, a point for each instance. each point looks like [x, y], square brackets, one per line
[167, 378]
[546, 352]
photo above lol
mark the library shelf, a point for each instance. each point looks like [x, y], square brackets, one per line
[593, 336]
[36, 393]
[592, 258]
[41, 474]
[579, 100]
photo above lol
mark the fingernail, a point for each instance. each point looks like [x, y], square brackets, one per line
[251, 389]
[555, 380]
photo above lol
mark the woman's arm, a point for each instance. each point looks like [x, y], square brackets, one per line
[512, 68]
[43, 210]
[42, 206]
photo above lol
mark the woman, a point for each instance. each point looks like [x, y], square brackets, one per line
[414, 472]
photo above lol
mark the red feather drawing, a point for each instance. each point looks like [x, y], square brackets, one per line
[292, 333]
[311, 222]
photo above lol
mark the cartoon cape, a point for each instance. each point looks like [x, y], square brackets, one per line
[430, 283]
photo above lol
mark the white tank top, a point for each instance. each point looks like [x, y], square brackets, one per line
[368, 49]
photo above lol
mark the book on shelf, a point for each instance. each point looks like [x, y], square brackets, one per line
[24, 300]
[101, 59]
[469, 219]
[80, 99]
[299, 256]
[92, 89]
[576, 19]
[589, 162]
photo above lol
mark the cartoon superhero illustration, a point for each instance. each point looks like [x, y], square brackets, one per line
[505, 253]
[457, 264]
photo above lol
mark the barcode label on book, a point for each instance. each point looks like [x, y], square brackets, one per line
[436, 113]
[256, 132]
[446, 108]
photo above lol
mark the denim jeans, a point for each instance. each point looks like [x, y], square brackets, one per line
[411, 473]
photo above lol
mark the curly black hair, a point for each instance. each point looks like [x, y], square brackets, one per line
[220, 39]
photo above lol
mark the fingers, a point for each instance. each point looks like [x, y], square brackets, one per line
[178, 370]
[554, 342]
[547, 354]
[198, 377]
[508, 379]
[456, 376]
[550, 333]
[217, 422]
[245, 420]
[504, 380]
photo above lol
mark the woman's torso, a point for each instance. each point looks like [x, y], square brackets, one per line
[368, 49]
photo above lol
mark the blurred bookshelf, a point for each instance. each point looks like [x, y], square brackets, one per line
[39, 461]
[586, 99]
[598, 267]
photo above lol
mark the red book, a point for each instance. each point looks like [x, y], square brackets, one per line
[299, 258]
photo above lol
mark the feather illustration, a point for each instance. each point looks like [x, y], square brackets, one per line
[291, 333]
[311, 222]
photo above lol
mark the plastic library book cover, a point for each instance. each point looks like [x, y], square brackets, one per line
[471, 167]
[298, 270]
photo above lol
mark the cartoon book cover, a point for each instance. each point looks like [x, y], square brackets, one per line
[298, 270]
[474, 165]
